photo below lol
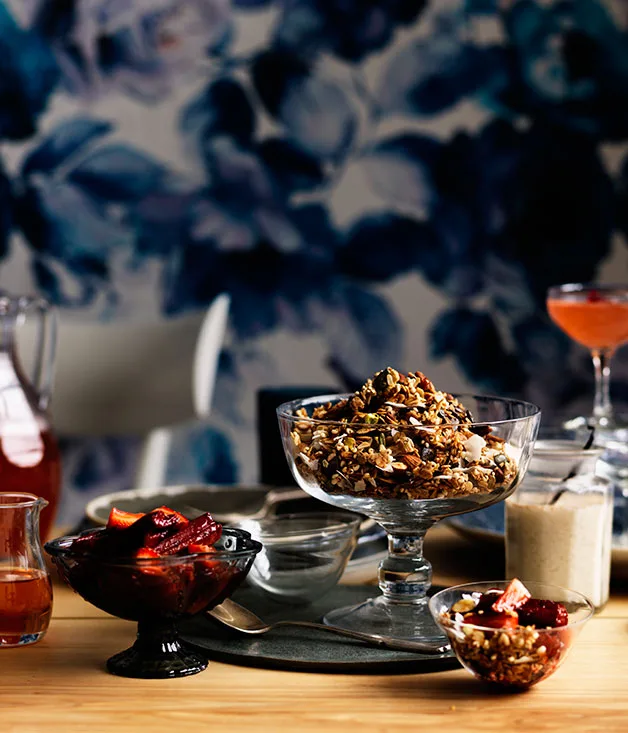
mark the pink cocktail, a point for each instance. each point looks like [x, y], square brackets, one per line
[595, 316]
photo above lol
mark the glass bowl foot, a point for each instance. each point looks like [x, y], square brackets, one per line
[389, 618]
[157, 653]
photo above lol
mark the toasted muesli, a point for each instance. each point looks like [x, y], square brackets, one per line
[400, 437]
[507, 637]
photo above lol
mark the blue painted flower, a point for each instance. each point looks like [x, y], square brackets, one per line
[514, 209]
[350, 29]
[569, 65]
[472, 337]
[432, 72]
[315, 111]
[140, 47]
[83, 207]
[29, 75]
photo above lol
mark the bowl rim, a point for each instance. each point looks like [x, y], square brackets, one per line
[340, 527]
[55, 549]
[286, 411]
[586, 602]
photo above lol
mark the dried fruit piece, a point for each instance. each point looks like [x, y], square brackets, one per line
[504, 620]
[514, 595]
[485, 603]
[543, 613]
[203, 530]
[119, 519]
[167, 510]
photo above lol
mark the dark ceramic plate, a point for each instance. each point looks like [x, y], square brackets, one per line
[305, 650]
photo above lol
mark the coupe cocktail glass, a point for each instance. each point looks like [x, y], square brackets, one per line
[595, 316]
[405, 575]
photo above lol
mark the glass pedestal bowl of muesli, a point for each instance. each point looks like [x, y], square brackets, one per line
[406, 455]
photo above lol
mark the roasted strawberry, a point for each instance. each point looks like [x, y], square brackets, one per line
[493, 620]
[194, 549]
[167, 510]
[543, 614]
[119, 519]
[147, 531]
[515, 594]
[88, 542]
[152, 528]
[204, 530]
[145, 553]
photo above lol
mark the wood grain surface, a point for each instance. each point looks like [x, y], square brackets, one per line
[60, 685]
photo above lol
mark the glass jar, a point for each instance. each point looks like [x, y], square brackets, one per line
[559, 521]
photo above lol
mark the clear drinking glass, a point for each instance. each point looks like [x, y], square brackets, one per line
[559, 522]
[596, 316]
[25, 588]
[405, 575]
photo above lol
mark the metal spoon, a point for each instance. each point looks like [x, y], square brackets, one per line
[237, 617]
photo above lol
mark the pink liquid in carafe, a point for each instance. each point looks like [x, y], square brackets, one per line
[29, 454]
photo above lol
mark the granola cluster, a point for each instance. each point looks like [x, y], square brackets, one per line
[510, 657]
[398, 437]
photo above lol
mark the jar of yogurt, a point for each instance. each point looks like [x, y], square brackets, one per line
[559, 521]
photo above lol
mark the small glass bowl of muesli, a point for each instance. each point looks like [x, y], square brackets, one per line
[508, 633]
[406, 455]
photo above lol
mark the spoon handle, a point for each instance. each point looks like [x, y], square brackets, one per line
[407, 645]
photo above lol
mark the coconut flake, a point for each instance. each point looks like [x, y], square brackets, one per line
[473, 448]
[311, 463]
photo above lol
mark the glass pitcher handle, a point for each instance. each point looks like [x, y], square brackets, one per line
[45, 345]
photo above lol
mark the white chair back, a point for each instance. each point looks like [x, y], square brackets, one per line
[153, 462]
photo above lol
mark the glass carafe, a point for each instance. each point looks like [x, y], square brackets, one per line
[29, 456]
[25, 588]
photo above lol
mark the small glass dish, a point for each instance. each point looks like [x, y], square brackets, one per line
[157, 592]
[303, 555]
[518, 657]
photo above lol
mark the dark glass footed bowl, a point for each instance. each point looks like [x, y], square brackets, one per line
[157, 592]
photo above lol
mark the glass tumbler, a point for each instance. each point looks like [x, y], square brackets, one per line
[559, 521]
[25, 588]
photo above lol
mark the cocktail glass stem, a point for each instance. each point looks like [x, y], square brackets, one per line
[602, 409]
[405, 575]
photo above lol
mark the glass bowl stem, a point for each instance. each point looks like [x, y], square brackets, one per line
[405, 575]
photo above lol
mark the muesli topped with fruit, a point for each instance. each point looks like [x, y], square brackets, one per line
[400, 437]
[507, 636]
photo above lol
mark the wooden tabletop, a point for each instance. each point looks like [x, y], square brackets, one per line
[60, 685]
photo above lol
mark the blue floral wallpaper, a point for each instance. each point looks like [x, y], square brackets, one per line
[304, 155]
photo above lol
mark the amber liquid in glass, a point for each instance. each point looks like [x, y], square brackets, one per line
[25, 604]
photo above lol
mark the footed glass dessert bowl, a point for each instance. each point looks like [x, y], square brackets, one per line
[406, 455]
[156, 592]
